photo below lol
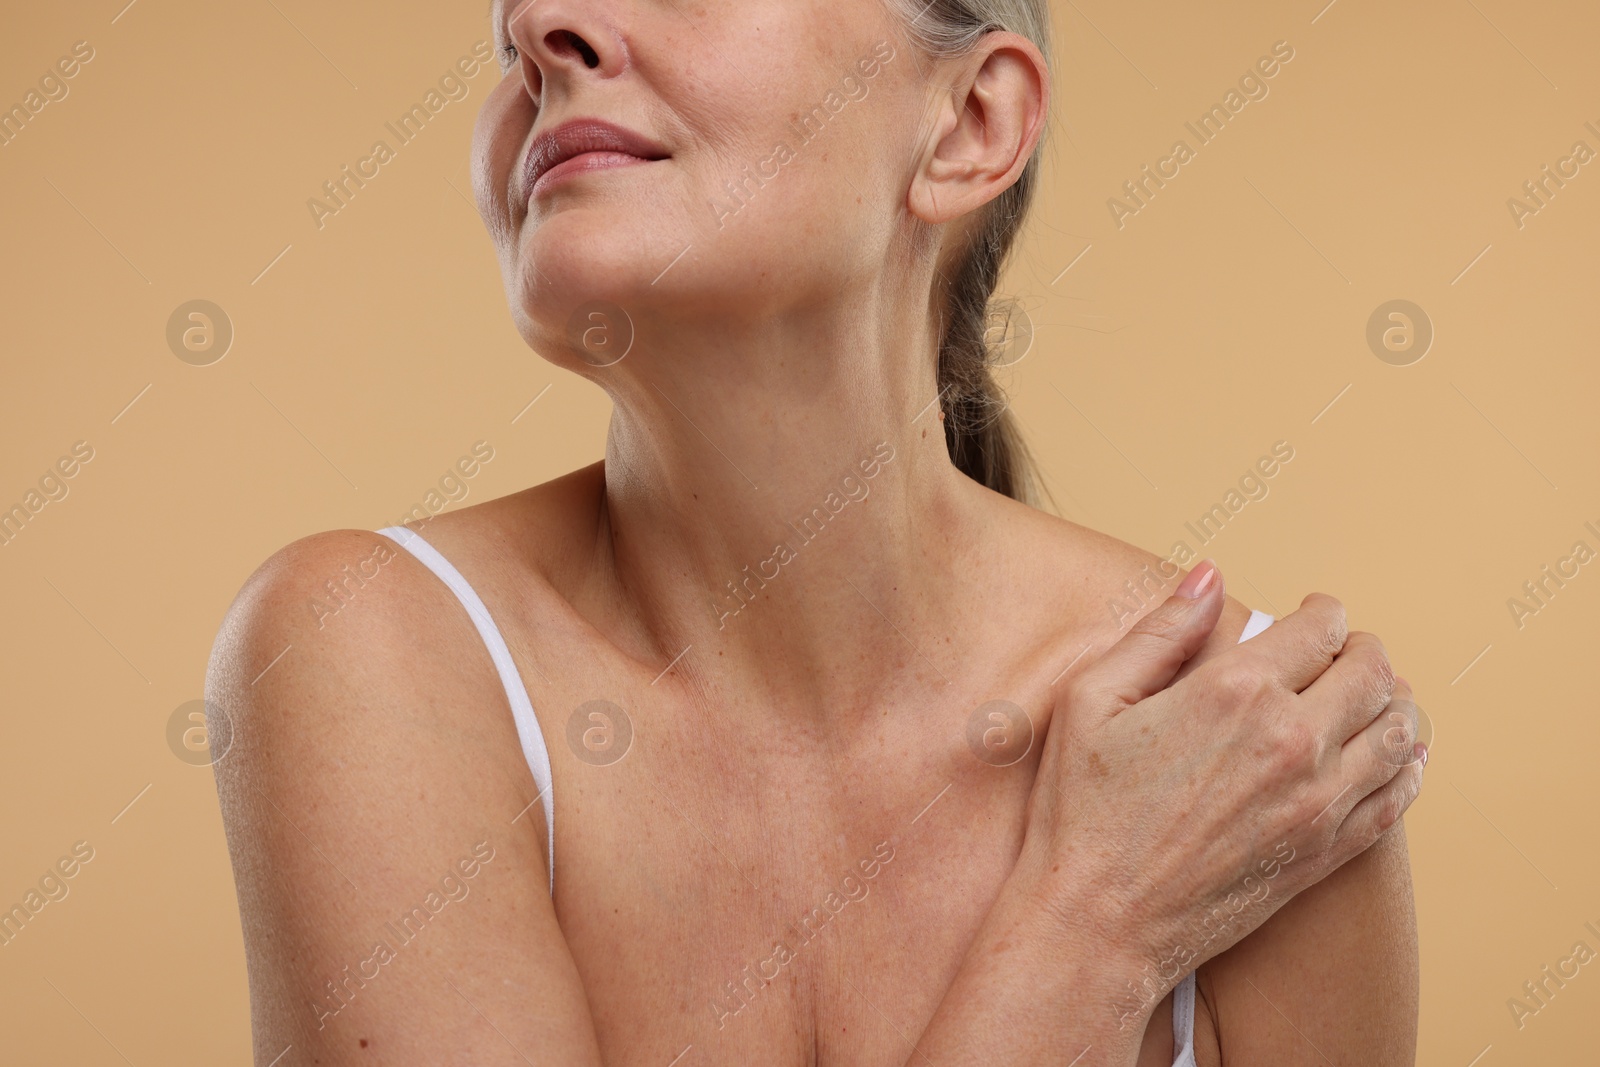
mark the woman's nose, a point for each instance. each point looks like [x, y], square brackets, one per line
[563, 39]
[567, 44]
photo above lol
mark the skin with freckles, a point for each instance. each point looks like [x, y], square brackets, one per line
[799, 718]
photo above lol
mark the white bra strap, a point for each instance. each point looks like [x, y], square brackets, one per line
[1258, 621]
[1183, 1022]
[533, 746]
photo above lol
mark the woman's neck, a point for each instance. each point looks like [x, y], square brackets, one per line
[797, 522]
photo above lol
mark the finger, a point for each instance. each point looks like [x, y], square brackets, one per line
[1390, 738]
[1346, 775]
[1144, 660]
[1352, 692]
[1379, 811]
[1299, 647]
[1368, 761]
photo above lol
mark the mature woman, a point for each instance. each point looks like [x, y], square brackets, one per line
[791, 733]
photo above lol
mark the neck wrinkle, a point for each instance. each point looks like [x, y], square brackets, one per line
[818, 585]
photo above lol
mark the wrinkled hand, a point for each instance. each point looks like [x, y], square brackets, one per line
[1172, 819]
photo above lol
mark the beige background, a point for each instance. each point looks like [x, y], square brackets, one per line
[1227, 314]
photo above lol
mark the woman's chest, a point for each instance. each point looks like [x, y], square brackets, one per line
[744, 899]
[764, 930]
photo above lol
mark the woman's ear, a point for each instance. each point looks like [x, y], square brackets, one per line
[984, 128]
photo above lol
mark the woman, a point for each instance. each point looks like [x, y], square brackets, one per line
[843, 756]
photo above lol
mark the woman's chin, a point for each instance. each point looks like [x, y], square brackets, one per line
[576, 292]
[567, 262]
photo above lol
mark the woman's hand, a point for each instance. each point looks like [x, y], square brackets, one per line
[1170, 819]
[1166, 823]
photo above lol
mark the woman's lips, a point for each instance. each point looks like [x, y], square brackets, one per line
[579, 146]
[582, 164]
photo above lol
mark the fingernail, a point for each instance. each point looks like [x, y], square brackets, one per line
[1402, 681]
[1199, 579]
[1420, 751]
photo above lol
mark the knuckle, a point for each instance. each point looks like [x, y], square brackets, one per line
[1400, 730]
[1373, 660]
[1328, 605]
[1391, 805]
[1395, 743]
[1383, 673]
[1397, 797]
[1294, 749]
[1330, 611]
[1243, 685]
[1364, 673]
[1322, 602]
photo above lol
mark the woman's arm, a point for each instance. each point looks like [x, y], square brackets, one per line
[1332, 977]
[1038, 985]
[393, 911]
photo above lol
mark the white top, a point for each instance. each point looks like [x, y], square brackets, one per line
[538, 756]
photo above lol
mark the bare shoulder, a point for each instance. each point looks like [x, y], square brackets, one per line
[1112, 583]
[303, 588]
[344, 667]
[374, 772]
[342, 608]
[339, 589]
